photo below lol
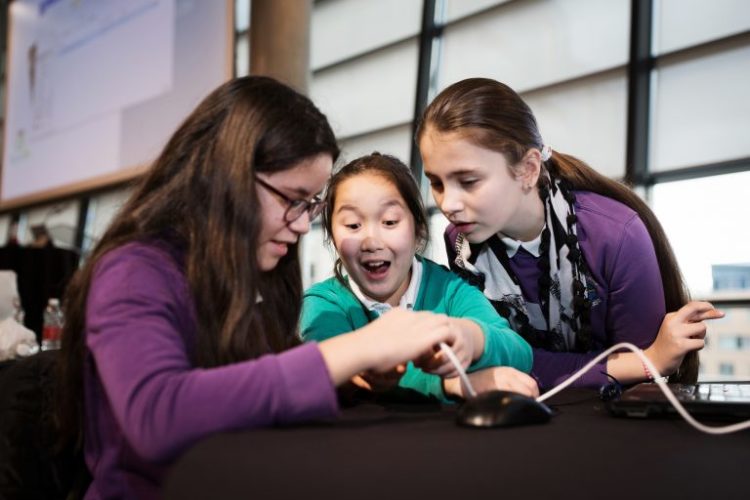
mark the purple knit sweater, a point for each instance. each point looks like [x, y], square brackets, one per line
[621, 257]
[146, 403]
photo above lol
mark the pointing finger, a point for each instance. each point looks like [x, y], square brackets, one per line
[712, 314]
[692, 310]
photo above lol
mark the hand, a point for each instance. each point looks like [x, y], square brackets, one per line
[379, 382]
[396, 337]
[497, 378]
[399, 336]
[467, 346]
[681, 331]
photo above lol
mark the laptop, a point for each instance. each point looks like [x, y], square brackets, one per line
[714, 400]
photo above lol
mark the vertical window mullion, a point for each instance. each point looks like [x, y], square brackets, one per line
[426, 35]
[639, 92]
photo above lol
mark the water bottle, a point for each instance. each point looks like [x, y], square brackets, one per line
[18, 313]
[53, 323]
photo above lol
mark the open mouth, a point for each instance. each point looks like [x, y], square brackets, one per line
[376, 268]
[280, 248]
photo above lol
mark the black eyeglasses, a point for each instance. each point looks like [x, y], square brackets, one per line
[295, 208]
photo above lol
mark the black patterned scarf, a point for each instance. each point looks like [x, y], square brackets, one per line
[560, 322]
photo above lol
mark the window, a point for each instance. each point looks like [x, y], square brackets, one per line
[241, 37]
[704, 220]
[571, 61]
[698, 158]
[728, 341]
[726, 369]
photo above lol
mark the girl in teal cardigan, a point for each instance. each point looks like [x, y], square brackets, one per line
[376, 220]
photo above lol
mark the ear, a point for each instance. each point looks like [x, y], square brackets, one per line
[529, 168]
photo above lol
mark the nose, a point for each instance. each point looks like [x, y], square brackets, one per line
[371, 241]
[301, 224]
[450, 201]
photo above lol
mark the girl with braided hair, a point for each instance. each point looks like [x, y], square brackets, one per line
[575, 261]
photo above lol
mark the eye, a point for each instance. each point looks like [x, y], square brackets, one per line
[468, 183]
[390, 223]
[353, 226]
[436, 185]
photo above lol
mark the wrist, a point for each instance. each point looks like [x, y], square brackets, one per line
[475, 333]
[452, 387]
[343, 357]
[365, 349]
[653, 356]
[479, 341]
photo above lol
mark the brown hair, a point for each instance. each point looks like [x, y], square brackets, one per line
[391, 169]
[200, 195]
[493, 116]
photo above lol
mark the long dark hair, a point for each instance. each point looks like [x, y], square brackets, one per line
[200, 195]
[493, 116]
[394, 171]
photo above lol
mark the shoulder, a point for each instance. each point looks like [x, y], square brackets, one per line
[154, 252]
[329, 309]
[604, 221]
[141, 264]
[434, 272]
[331, 290]
[439, 281]
[596, 209]
[139, 283]
[430, 267]
[609, 230]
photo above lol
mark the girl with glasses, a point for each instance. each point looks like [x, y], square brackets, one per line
[183, 321]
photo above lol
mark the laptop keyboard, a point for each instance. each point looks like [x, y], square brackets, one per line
[730, 393]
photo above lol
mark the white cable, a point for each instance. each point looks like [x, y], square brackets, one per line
[457, 364]
[659, 381]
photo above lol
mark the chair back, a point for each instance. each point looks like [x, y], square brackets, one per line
[31, 466]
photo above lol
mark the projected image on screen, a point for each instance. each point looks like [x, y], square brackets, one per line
[95, 86]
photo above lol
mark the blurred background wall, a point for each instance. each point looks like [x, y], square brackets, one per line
[653, 92]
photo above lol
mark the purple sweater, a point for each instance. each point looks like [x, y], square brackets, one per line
[146, 403]
[622, 261]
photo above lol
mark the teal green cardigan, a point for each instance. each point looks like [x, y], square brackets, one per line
[330, 308]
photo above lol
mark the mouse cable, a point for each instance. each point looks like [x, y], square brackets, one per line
[658, 380]
[457, 364]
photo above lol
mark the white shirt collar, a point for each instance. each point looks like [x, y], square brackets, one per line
[512, 245]
[407, 299]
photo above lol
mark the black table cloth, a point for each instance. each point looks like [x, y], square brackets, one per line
[418, 451]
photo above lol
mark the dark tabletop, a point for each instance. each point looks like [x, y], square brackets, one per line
[418, 451]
